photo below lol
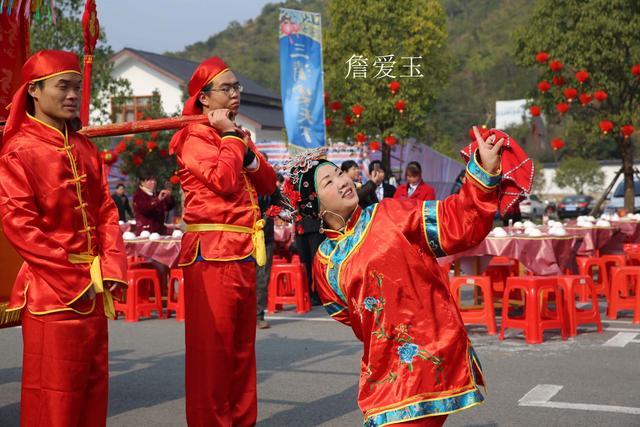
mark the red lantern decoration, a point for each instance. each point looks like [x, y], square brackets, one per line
[562, 107]
[400, 105]
[108, 157]
[394, 87]
[175, 179]
[627, 130]
[391, 140]
[139, 142]
[558, 80]
[582, 76]
[557, 144]
[361, 137]
[154, 134]
[635, 70]
[570, 93]
[121, 147]
[535, 110]
[374, 145]
[606, 126]
[137, 160]
[336, 106]
[585, 98]
[542, 57]
[327, 122]
[600, 95]
[151, 146]
[544, 86]
[556, 66]
[163, 152]
[357, 110]
[348, 121]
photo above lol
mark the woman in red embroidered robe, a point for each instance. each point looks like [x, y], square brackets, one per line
[377, 273]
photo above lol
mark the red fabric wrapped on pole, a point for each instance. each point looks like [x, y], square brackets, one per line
[91, 32]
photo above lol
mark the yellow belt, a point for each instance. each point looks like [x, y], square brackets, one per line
[257, 235]
[96, 280]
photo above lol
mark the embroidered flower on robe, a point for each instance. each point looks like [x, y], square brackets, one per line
[371, 303]
[407, 352]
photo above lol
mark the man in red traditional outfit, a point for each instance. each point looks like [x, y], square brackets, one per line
[57, 212]
[222, 175]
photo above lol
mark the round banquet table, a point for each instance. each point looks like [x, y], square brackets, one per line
[594, 239]
[164, 250]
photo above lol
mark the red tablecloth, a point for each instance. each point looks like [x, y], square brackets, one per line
[165, 250]
[544, 256]
[594, 239]
[630, 230]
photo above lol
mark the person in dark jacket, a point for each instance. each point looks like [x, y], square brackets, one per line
[122, 203]
[376, 188]
[151, 209]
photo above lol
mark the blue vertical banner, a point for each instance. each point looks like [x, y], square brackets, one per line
[301, 77]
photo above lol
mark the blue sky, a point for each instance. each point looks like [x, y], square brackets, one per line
[170, 25]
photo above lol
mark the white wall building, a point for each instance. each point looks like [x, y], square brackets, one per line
[260, 111]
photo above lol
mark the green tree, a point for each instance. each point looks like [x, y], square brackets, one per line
[601, 37]
[579, 174]
[385, 27]
[66, 34]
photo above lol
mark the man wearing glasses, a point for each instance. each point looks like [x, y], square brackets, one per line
[222, 175]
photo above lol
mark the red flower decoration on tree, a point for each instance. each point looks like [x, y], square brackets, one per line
[108, 157]
[154, 134]
[582, 76]
[137, 160]
[556, 66]
[357, 110]
[390, 140]
[562, 107]
[175, 179]
[627, 130]
[139, 142]
[606, 126]
[635, 70]
[348, 120]
[163, 152]
[336, 106]
[535, 110]
[557, 144]
[375, 145]
[558, 80]
[151, 146]
[544, 86]
[570, 93]
[542, 57]
[394, 87]
[121, 147]
[600, 95]
[361, 137]
[327, 122]
[585, 98]
[400, 105]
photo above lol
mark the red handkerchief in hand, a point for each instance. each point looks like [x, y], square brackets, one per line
[517, 168]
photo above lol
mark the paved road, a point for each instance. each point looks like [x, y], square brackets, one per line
[308, 370]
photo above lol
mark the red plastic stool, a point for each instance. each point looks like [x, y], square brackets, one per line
[138, 301]
[498, 270]
[534, 322]
[175, 294]
[611, 261]
[587, 266]
[483, 315]
[288, 285]
[633, 258]
[621, 298]
[574, 316]
[631, 247]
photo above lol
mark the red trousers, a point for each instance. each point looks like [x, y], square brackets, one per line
[435, 421]
[220, 335]
[65, 370]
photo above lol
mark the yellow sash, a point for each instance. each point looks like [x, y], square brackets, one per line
[96, 280]
[257, 235]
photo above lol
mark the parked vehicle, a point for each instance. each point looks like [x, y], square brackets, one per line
[532, 207]
[616, 201]
[574, 206]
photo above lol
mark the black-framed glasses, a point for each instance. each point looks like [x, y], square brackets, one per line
[229, 89]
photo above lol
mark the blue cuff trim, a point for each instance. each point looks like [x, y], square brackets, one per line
[482, 176]
[431, 227]
[333, 308]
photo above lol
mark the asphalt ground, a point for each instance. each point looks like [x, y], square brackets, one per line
[308, 372]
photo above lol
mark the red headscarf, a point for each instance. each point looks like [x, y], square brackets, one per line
[517, 169]
[40, 66]
[208, 70]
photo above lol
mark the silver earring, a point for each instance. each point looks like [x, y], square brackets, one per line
[321, 230]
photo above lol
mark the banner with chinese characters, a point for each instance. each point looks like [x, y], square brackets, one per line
[301, 77]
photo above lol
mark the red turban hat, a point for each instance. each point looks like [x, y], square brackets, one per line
[208, 70]
[517, 169]
[40, 66]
